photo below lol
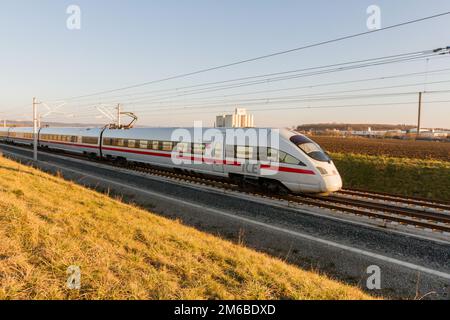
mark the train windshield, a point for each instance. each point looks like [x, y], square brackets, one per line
[311, 148]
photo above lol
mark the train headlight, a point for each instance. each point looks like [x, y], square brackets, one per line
[322, 171]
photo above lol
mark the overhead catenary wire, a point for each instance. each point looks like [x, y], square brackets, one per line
[317, 44]
[188, 109]
[266, 75]
[214, 106]
[343, 106]
[306, 96]
[316, 85]
[269, 80]
[371, 62]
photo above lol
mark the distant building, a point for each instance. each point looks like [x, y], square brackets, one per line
[414, 130]
[432, 134]
[239, 119]
[368, 133]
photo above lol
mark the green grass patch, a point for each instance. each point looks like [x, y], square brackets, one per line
[407, 177]
[48, 224]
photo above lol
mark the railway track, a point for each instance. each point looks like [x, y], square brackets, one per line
[443, 205]
[387, 208]
[436, 221]
[431, 215]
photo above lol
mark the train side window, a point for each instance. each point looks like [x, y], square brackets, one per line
[288, 159]
[244, 152]
[273, 154]
[167, 146]
[199, 148]
[143, 144]
[183, 147]
[154, 145]
[120, 142]
[131, 143]
[262, 154]
[282, 156]
[267, 154]
[89, 140]
[252, 153]
[230, 151]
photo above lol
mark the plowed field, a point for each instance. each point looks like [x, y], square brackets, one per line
[426, 150]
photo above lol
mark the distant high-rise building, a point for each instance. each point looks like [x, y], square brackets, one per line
[239, 119]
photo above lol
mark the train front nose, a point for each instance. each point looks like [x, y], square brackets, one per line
[331, 180]
[332, 183]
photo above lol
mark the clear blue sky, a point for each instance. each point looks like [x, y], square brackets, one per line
[127, 42]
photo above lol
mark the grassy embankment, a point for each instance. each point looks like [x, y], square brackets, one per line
[48, 224]
[408, 177]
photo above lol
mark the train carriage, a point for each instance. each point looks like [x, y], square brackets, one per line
[4, 133]
[21, 135]
[76, 140]
[153, 146]
[297, 163]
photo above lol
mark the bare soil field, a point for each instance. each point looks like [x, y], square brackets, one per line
[427, 150]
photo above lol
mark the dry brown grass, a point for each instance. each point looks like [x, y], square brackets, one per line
[48, 224]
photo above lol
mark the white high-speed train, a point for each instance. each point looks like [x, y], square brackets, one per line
[297, 164]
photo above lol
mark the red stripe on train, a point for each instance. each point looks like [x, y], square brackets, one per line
[286, 169]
